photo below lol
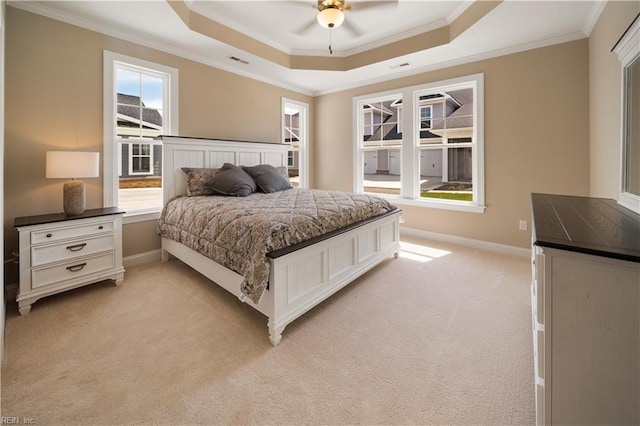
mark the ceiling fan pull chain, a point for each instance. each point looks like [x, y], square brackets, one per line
[330, 49]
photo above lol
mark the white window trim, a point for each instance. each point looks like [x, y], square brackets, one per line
[430, 108]
[131, 172]
[627, 49]
[410, 162]
[303, 137]
[110, 149]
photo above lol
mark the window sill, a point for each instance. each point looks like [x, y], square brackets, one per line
[142, 216]
[444, 205]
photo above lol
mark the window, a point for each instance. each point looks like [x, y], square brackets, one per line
[140, 105]
[439, 163]
[295, 132]
[140, 159]
[425, 117]
[380, 143]
[628, 50]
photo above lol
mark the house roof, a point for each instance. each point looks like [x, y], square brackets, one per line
[129, 107]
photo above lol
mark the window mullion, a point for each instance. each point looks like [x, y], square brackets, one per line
[409, 186]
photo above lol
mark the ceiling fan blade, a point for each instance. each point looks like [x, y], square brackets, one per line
[306, 28]
[362, 5]
[353, 29]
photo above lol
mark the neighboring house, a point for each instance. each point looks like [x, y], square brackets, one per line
[444, 118]
[141, 158]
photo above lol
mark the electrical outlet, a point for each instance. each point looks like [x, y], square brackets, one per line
[523, 225]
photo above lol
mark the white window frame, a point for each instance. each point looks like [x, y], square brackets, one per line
[303, 137]
[111, 162]
[628, 51]
[426, 107]
[131, 156]
[410, 161]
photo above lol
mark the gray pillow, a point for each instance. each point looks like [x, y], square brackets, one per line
[268, 178]
[231, 180]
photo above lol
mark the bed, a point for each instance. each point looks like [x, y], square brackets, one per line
[293, 275]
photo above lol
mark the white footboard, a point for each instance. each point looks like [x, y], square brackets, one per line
[306, 277]
[302, 279]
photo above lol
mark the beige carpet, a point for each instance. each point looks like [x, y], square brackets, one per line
[439, 336]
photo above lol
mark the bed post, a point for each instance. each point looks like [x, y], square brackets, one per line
[275, 333]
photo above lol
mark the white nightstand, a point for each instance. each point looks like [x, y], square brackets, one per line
[60, 252]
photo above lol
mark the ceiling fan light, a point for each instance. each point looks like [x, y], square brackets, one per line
[330, 17]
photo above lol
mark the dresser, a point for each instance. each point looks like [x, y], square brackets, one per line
[60, 252]
[585, 299]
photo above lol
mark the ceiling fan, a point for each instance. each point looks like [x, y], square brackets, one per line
[331, 15]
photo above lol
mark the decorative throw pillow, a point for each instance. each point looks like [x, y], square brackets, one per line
[231, 180]
[196, 179]
[268, 178]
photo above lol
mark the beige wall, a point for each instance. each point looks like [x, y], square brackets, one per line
[54, 101]
[536, 124]
[536, 138]
[605, 81]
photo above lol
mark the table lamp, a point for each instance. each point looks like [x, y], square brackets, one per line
[72, 165]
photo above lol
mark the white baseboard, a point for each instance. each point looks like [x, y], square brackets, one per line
[468, 242]
[140, 258]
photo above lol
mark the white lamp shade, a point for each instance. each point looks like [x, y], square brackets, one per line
[330, 17]
[72, 164]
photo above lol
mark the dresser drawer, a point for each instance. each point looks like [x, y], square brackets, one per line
[71, 270]
[41, 255]
[76, 231]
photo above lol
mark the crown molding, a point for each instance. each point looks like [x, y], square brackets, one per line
[594, 15]
[459, 11]
[48, 12]
[208, 27]
[458, 61]
[43, 10]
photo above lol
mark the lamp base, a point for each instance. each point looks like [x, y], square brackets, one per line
[73, 197]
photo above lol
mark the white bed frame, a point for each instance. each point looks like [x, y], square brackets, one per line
[298, 281]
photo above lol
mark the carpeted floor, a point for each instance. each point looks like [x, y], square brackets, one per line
[439, 336]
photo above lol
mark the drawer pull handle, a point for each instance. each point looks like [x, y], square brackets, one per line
[76, 268]
[100, 227]
[77, 247]
[49, 235]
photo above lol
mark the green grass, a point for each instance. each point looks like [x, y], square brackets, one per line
[458, 196]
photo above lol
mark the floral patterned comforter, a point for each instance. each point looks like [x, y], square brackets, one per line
[238, 232]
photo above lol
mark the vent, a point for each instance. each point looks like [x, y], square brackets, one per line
[242, 61]
[404, 64]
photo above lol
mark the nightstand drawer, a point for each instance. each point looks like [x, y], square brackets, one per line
[42, 255]
[70, 270]
[66, 232]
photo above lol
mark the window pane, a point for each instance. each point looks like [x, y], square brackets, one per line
[293, 134]
[381, 144]
[140, 111]
[151, 91]
[446, 173]
[151, 126]
[127, 82]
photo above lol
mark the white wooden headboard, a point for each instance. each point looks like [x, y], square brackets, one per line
[178, 152]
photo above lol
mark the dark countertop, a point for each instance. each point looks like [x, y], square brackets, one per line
[596, 226]
[61, 217]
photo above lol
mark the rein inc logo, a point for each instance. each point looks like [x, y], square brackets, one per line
[15, 420]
